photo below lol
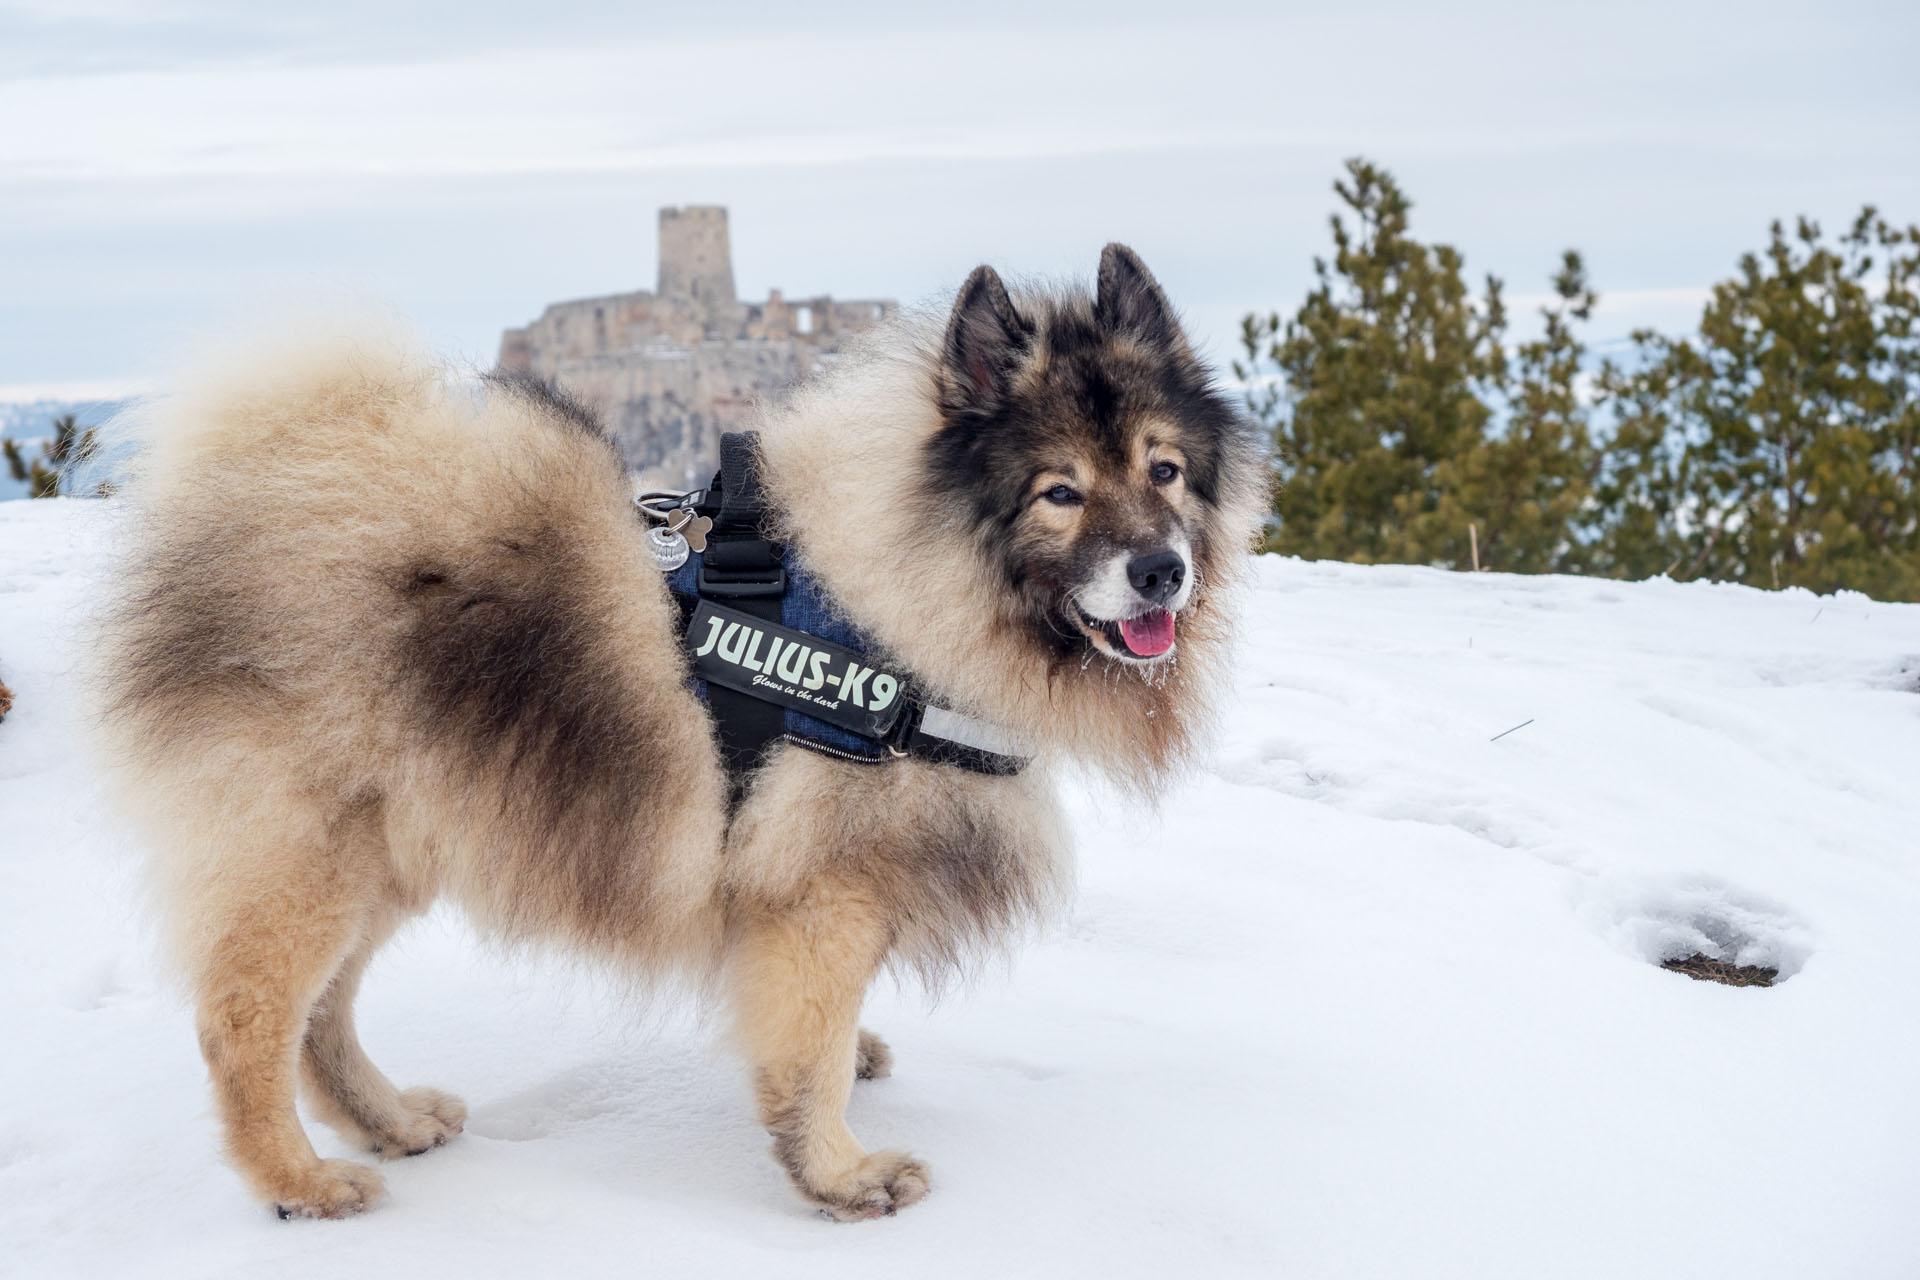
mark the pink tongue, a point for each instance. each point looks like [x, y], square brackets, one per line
[1150, 634]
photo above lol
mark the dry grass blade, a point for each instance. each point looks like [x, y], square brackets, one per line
[1707, 969]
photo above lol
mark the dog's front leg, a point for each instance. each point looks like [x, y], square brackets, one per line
[799, 973]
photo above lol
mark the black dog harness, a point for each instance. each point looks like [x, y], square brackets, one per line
[776, 660]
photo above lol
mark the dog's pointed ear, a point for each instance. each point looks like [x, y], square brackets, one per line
[986, 338]
[1129, 301]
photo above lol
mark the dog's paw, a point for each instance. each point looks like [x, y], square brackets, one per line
[873, 1060]
[878, 1187]
[330, 1189]
[432, 1118]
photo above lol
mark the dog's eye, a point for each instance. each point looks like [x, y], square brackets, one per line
[1164, 472]
[1061, 496]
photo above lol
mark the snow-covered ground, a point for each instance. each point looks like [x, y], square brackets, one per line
[1372, 996]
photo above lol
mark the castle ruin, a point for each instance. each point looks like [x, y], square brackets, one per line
[672, 369]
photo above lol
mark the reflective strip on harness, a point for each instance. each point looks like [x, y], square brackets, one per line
[951, 726]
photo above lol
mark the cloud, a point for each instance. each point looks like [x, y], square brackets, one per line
[700, 99]
[167, 162]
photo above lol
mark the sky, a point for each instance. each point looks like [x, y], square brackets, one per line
[173, 169]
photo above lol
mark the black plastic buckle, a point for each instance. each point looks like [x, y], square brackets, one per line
[741, 564]
[736, 585]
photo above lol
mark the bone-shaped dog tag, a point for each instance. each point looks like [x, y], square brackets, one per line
[694, 528]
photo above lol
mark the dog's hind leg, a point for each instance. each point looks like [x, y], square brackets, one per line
[273, 932]
[799, 974]
[349, 1093]
[873, 1060]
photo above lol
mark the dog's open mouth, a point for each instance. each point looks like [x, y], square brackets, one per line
[1145, 635]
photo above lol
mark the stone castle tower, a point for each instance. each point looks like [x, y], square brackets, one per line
[672, 369]
[696, 257]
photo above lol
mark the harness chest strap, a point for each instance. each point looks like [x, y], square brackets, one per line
[752, 633]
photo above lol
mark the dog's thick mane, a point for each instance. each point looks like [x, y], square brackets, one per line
[847, 463]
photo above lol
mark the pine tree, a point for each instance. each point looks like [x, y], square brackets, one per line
[16, 461]
[1383, 369]
[70, 446]
[1398, 422]
[1777, 447]
[1525, 486]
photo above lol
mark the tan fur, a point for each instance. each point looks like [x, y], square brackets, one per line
[800, 969]
[6, 700]
[349, 1093]
[381, 640]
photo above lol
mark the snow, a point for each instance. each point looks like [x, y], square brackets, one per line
[1372, 995]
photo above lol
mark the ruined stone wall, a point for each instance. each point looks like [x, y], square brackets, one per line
[672, 369]
[668, 407]
[589, 327]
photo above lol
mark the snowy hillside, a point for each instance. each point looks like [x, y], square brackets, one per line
[1372, 996]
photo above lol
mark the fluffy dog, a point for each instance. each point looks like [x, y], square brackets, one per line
[384, 638]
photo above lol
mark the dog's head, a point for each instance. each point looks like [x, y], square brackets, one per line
[1035, 502]
[1093, 457]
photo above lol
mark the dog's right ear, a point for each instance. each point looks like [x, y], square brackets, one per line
[986, 339]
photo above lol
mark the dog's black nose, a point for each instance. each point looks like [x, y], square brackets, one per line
[1157, 575]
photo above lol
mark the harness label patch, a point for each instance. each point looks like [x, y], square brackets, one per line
[793, 669]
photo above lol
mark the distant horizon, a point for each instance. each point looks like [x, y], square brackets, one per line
[1219, 342]
[101, 390]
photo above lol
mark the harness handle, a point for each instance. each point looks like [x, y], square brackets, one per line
[739, 561]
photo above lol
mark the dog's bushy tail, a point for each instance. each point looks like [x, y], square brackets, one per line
[262, 411]
[360, 592]
[266, 465]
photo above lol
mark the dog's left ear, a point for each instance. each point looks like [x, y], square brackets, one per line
[1129, 301]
